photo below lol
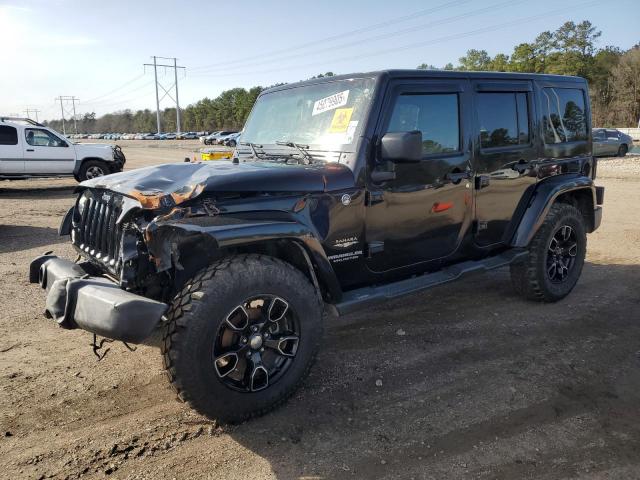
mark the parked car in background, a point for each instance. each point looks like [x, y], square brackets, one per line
[29, 149]
[203, 138]
[609, 141]
[151, 136]
[168, 136]
[230, 140]
[187, 136]
[215, 137]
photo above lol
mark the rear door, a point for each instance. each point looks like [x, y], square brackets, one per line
[506, 151]
[11, 161]
[46, 153]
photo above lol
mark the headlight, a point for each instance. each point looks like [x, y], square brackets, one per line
[82, 202]
[156, 199]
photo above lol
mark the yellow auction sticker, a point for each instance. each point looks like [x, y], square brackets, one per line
[340, 121]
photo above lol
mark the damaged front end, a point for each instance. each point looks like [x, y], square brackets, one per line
[118, 292]
[143, 234]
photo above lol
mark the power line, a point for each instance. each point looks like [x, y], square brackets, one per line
[167, 91]
[416, 44]
[28, 112]
[112, 100]
[386, 23]
[383, 36]
[92, 100]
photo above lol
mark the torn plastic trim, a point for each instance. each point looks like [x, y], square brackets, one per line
[75, 299]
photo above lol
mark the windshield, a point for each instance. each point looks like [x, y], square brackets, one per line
[326, 116]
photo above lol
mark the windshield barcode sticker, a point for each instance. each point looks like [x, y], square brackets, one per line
[329, 103]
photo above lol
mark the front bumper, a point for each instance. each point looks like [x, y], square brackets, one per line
[75, 299]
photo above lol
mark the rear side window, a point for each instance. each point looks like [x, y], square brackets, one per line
[613, 134]
[8, 135]
[504, 119]
[434, 114]
[564, 118]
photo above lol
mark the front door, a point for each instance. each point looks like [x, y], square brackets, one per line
[506, 151]
[46, 153]
[421, 214]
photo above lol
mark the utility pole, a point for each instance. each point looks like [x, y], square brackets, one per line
[73, 99]
[64, 132]
[167, 91]
[175, 73]
[155, 74]
[28, 111]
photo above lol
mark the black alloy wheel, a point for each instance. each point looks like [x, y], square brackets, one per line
[561, 254]
[256, 343]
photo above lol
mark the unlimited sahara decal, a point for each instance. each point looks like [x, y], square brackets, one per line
[343, 257]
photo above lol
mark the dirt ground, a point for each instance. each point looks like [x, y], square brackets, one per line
[465, 381]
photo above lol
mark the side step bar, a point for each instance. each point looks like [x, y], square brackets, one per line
[363, 297]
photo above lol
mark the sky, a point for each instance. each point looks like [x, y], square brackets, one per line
[95, 50]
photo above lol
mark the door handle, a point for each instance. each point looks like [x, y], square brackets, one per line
[30, 150]
[457, 177]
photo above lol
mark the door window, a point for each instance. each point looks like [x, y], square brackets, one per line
[504, 119]
[614, 134]
[436, 115]
[599, 135]
[8, 135]
[42, 138]
[564, 118]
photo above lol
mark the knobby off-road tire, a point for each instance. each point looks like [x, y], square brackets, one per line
[542, 276]
[207, 319]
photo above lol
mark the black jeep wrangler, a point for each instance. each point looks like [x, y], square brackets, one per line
[343, 192]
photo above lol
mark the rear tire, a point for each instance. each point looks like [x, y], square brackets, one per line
[556, 256]
[224, 353]
[622, 151]
[92, 169]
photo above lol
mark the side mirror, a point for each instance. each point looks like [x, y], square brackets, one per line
[402, 146]
[64, 144]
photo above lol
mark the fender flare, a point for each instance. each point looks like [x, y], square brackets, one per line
[541, 200]
[78, 165]
[226, 232]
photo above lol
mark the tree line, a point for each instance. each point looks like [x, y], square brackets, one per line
[228, 111]
[613, 76]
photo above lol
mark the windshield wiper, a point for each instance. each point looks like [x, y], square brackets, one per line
[253, 147]
[307, 158]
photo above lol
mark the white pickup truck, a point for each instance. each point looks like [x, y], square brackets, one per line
[29, 149]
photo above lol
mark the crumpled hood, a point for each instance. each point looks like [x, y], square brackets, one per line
[223, 176]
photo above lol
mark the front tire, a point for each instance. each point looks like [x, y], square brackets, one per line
[92, 169]
[556, 256]
[241, 336]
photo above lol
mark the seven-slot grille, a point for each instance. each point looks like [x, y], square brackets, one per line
[97, 233]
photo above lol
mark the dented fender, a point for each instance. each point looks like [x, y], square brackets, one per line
[165, 233]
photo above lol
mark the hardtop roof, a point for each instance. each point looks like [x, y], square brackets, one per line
[417, 74]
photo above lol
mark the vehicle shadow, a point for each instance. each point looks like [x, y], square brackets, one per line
[15, 238]
[37, 192]
[469, 381]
